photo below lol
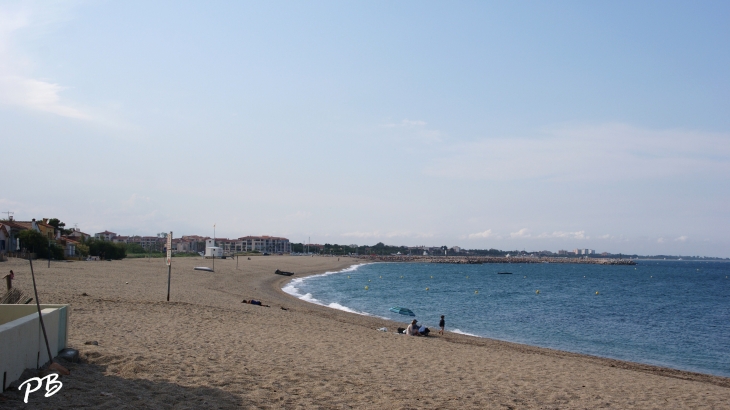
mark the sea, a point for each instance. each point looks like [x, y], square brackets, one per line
[673, 314]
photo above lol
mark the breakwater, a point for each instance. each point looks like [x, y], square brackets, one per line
[476, 260]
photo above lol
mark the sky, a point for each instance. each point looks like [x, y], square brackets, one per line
[509, 125]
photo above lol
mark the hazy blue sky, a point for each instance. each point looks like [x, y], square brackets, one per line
[535, 125]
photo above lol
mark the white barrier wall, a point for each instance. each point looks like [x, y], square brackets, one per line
[22, 345]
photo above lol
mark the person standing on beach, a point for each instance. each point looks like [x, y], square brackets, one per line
[442, 324]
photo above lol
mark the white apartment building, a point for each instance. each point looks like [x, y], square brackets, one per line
[106, 235]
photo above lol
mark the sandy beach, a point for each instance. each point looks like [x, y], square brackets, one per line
[205, 349]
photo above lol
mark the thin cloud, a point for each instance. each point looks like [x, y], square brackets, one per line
[392, 234]
[682, 239]
[18, 87]
[415, 129]
[482, 235]
[564, 235]
[522, 233]
[299, 215]
[600, 153]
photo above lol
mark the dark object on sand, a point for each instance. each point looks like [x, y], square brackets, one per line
[401, 330]
[504, 273]
[94, 343]
[281, 272]
[254, 302]
[204, 268]
[70, 355]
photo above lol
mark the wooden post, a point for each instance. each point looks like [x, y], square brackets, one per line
[40, 316]
[169, 273]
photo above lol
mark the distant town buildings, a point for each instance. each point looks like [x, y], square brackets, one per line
[584, 251]
[195, 243]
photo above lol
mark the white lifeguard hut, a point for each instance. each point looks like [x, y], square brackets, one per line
[211, 250]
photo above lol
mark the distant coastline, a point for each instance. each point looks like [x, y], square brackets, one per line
[476, 260]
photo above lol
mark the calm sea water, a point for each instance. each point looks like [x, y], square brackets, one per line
[668, 313]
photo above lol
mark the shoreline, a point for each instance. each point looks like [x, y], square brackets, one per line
[654, 369]
[206, 349]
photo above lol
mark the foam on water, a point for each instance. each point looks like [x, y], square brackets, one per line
[292, 289]
[463, 333]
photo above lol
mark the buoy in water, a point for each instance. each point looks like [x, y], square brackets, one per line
[476, 292]
[426, 288]
[596, 292]
[368, 280]
[467, 277]
[367, 287]
[401, 277]
[381, 277]
[431, 277]
[348, 277]
[537, 292]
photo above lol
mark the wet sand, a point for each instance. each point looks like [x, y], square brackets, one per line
[205, 349]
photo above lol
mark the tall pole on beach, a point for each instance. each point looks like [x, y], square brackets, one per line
[169, 263]
[213, 250]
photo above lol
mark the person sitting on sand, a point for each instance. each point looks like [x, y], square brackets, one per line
[412, 329]
[254, 302]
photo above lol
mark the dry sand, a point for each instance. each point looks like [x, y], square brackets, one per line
[205, 349]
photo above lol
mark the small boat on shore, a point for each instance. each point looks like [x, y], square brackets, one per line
[281, 272]
[203, 268]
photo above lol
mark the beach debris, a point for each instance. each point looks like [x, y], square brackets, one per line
[105, 394]
[84, 294]
[383, 329]
[93, 343]
[283, 308]
[15, 296]
[69, 355]
[126, 283]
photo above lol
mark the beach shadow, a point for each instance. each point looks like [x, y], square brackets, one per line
[89, 386]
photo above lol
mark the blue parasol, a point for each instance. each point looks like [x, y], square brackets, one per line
[402, 311]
